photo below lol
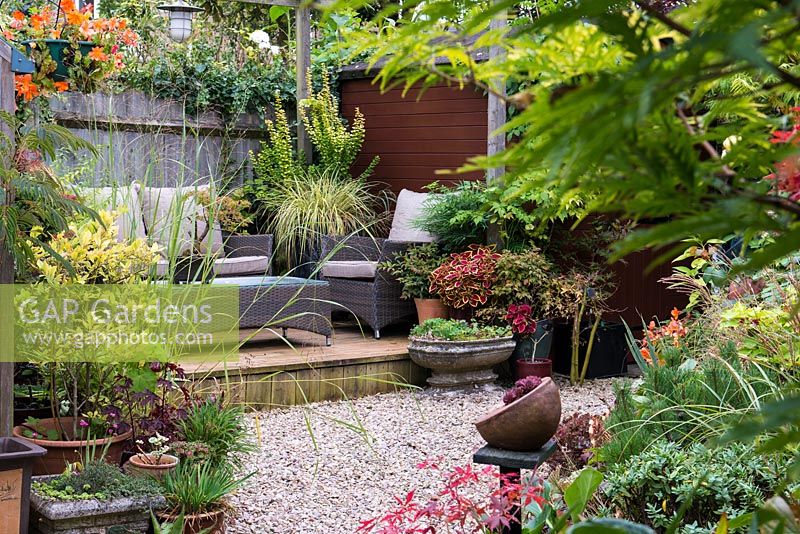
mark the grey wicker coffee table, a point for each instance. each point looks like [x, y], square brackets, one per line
[283, 302]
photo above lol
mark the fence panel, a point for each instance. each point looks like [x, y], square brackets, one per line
[154, 141]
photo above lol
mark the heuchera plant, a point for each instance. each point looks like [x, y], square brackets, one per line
[473, 499]
[108, 37]
[522, 387]
[520, 318]
[466, 279]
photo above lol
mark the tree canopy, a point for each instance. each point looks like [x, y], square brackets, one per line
[680, 118]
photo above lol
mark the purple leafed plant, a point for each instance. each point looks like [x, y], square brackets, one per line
[522, 387]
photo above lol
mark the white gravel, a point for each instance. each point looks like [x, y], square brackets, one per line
[324, 467]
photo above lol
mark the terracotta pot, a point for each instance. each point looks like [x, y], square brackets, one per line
[430, 309]
[213, 521]
[527, 423]
[61, 453]
[540, 368]
[460, 363]
[144, 465]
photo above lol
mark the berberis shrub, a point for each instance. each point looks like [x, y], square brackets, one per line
[654, 486]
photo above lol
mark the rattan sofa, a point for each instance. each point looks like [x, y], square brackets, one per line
[350, 266]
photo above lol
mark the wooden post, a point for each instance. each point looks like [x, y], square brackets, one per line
[303, 49]
[496, 142]
[6, 261]
[302, 14]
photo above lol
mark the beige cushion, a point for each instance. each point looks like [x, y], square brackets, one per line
[241, 265]
[124, 200]
[175, 221]
[227, 266]
[409, 207]
[350, 269]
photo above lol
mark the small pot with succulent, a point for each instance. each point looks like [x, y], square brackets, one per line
[413, 268]
[528, 418]
[156, 463]
[459, 353]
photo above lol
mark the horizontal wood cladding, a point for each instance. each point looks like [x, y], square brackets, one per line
[417, 134]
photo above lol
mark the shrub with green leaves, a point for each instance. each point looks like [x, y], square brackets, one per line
[97, 480]
[453, 330]
[220, 428]
[413, 268]
[686, 400]
[453, 215]
[695, 483]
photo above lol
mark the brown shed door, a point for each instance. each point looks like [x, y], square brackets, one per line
[416, 137]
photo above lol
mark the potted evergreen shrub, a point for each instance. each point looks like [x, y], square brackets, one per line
[459, 353]
[413, 268]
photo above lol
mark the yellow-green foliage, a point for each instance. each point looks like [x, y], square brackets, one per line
[92, 255]
[337, 144]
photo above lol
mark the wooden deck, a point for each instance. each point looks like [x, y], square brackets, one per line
[272, 372]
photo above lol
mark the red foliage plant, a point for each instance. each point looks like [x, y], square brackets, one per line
[471, 501]
[466, 279]
[522, 387]
[577, 437]
[520, 317]
[786, 178]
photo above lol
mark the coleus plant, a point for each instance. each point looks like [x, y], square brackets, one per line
[520, 317]
[465, 281]
[106, 39]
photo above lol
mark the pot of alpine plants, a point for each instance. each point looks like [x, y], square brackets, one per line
[156, 463]
[528, 418]
[459, 353]
[92, 497]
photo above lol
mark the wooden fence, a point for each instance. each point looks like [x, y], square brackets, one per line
[154, 140]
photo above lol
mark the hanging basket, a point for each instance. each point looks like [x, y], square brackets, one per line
[57, 49]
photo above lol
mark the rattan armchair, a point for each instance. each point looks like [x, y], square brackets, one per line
[375, 301]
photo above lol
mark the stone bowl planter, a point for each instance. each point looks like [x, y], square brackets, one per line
[61, 453]
[460, 363]
[90, 516]
[527, 423]
[144, 465]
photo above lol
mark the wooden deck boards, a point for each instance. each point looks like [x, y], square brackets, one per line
[270, 373]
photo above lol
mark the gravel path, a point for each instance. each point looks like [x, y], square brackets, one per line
[362, 453]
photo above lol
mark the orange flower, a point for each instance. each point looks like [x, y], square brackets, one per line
[61, 86]
[26, 87]
[18, 16]
[38, 21]
[68, 6]
[97, 54]
[88, 29]
[129, 37]
[76, 18]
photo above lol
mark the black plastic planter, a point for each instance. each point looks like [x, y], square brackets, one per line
[609, 354]
[16, 460]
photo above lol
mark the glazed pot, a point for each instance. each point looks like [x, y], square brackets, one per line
[61, 453]
[540, 368]
[145, 465]
[460, 363]
[527, 423]
[430, 309]
[211, 522]
[537, 346]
